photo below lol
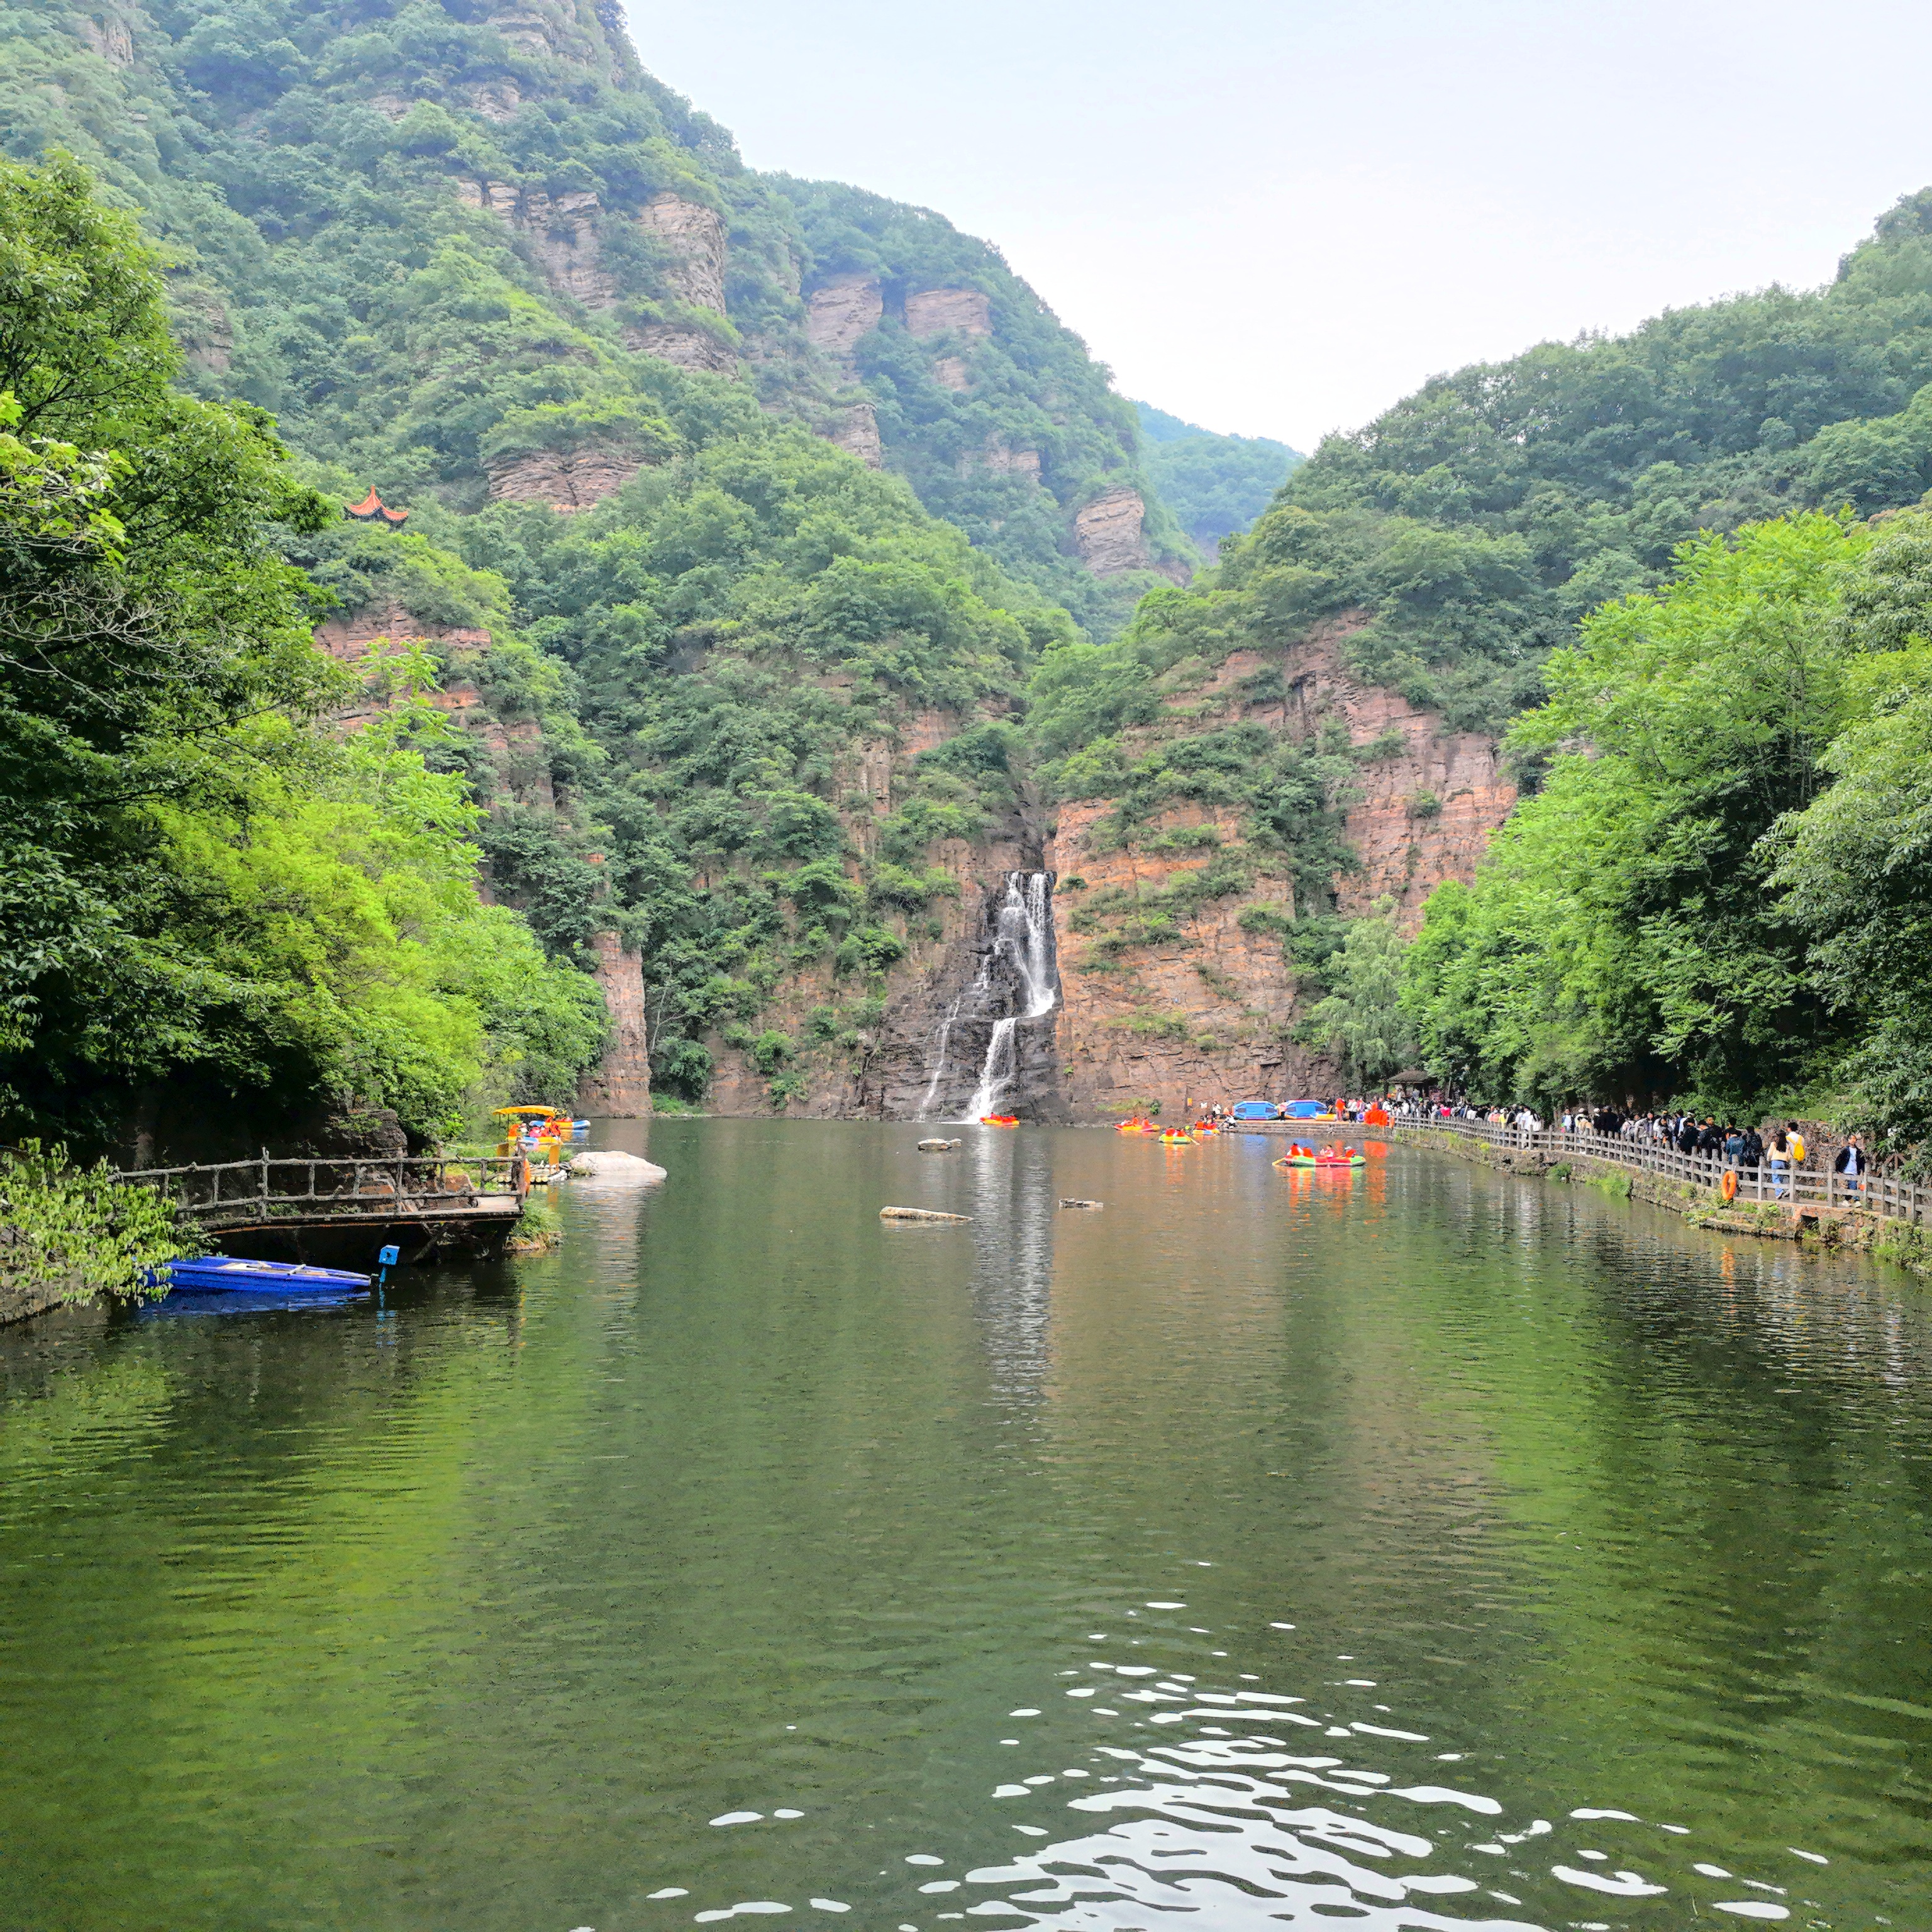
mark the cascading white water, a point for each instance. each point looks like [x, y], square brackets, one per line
[1023, 937]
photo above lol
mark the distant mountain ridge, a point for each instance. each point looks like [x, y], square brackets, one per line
[1216, 485]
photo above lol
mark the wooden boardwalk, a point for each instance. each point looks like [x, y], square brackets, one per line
[345, 1207]
[1812, 1192]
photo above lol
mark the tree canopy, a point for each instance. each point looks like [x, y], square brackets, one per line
[197, 883]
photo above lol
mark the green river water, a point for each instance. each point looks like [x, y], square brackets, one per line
[1424, 1549]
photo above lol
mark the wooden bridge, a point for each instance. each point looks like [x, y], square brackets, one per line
[349, 1207]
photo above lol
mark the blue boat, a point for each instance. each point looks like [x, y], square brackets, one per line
[223, 1274]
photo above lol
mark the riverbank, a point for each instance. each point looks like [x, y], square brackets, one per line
[1846, 1228]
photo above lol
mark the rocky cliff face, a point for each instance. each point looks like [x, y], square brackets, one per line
[621, 1088]
[513, 762]
[1107, 531]
[1203, 1008]
[842, 311]
[858, 431]
[568, 480]
[941, 311]
[1173, 997]
[694, 236]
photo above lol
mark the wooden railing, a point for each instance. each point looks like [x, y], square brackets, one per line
[238, 1192]
[1795, 1190]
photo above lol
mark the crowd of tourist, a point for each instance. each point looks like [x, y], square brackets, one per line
[1779, 1150]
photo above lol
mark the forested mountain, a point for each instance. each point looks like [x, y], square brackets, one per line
[1652, 923]
[452, 248]
[776, 570]
[1216, 485]
[654, 419]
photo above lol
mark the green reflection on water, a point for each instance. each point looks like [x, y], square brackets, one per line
[473, 1611]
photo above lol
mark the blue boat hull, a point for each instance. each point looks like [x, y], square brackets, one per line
[223, 1274]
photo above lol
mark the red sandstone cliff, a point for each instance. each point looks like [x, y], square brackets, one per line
[1203, 1008]
[620, 1089]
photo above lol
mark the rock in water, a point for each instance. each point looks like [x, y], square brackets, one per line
[610, 1167]
[937, 1146]
[1069, 1201]
[916, 1214]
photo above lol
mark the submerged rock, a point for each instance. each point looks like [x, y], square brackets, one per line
[916, 1214]
[937, 1146]
[1069, 1201]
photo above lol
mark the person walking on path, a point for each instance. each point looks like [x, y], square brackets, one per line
[1781, 1163]
[1854, 1163]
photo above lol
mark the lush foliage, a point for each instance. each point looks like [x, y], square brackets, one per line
[1855, 862]
[195, 882]
[1361, 1021]
[413, 234]
[736, 627]
[1030, 388]
[1719, 890]
[1596, 459]
[1216, 485]
[77, 1231]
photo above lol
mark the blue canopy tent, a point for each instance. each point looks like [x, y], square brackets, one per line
[1255, 1110]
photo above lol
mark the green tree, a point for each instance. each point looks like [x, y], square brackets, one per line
[1624, 934]
[1362, 1018]
[1855, 861]
[198, 886]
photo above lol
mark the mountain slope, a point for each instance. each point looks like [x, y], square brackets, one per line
[454, 247]
[1216, 485]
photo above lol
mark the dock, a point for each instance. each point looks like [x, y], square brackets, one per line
[306, 1209]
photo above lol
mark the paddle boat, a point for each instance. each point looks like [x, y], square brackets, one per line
[1342, 1158]
[1176, 1137]
[999, 1119]
[554, 1128]
[224, 1274]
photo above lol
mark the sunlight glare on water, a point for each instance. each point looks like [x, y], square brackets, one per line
[1419, 1548]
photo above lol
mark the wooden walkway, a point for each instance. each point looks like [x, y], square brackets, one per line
[419, 1205]
[1807, 1193]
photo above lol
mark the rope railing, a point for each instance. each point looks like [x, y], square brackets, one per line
[1793, 1189]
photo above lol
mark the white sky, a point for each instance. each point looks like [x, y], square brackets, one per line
[1278, 218]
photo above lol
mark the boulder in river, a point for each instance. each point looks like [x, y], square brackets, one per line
[916, 1214]
[611, 1167]
[937, 1146]
[1068, 1201]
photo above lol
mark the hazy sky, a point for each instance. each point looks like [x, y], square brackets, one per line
[1277, 218]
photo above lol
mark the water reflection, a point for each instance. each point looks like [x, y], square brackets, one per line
[1015, 1205]
[1434, 1548]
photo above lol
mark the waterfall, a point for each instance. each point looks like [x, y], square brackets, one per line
[1022, 941]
